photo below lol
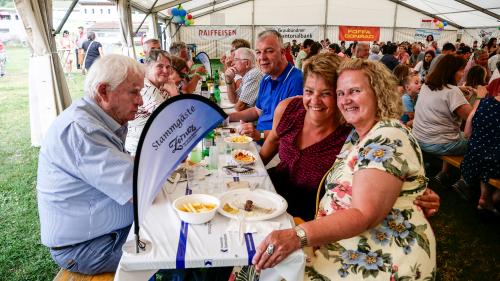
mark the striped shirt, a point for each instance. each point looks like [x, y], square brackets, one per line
[84, 182]
[249, 88]
[152, 97]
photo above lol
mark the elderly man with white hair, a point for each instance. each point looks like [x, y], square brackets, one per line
[375, 53]
[362, 50]
[84, 184]
[244, 65]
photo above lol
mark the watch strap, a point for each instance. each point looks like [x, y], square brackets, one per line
[300, 232]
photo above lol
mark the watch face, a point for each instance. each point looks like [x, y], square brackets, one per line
[301, 232]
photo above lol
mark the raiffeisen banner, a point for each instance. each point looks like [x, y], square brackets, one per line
[171, 132]
[359, 33]
[217, 32]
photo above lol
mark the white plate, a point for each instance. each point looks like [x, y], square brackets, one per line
[245, 152]
[243, 139]
[260, 197]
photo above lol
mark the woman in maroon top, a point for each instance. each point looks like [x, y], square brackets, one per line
[308, 134]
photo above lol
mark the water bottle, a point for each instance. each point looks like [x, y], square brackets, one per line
[204, 88]
[217, 94]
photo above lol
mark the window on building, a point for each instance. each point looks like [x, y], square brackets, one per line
[17, 17]
[93, 11]
[85, 10]
[102, 11]
[109, 11]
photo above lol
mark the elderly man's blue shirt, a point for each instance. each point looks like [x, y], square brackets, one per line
[272, 92]
[84, 183]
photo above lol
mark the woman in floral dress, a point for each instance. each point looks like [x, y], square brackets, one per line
[367, 227]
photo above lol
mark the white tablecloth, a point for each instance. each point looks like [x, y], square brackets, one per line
[206, 245]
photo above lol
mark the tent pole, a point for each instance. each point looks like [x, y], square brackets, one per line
[253, 23]
[177, 30]
[395, 21]
[326, 19]
[144, 19]
[65, 18]
[168, 5]
[154, 19]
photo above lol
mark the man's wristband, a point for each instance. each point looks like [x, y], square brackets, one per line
[262, 135]
[229, 83]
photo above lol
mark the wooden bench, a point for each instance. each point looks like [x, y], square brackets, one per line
[456, 160]
[495, 183]
[452, 160]
[64, 275]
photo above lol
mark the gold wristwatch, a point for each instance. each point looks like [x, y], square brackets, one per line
[300, 232]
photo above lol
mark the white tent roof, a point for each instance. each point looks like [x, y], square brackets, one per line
[460, 13]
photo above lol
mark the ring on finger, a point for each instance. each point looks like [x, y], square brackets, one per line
[270, 249]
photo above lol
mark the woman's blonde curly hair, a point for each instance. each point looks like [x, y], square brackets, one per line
[383, 84]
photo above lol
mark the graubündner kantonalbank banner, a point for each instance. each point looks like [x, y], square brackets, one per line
[171, 132]
[291, 32]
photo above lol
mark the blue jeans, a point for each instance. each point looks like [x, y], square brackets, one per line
[458, 147]
[101, 254]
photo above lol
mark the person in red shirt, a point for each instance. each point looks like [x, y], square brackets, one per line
[288, 53]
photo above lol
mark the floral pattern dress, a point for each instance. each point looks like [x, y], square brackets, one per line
[402, 246]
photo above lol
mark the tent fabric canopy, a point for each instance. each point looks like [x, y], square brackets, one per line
[466, 13]
[48, 90]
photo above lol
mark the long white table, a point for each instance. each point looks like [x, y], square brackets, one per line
[172, 243]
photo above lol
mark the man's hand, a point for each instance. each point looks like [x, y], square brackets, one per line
[229, 75]
[429, 202]
[248, 129]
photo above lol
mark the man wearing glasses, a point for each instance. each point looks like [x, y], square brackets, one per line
[244, 65]
[282, 80]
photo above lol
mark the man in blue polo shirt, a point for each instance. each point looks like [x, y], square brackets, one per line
[282, 80]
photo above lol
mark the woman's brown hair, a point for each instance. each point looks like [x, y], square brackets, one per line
[444, 72]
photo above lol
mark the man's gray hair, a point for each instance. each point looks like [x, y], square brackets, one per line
[176, 47]
[271, 32]
[248, 54]
[111, 70]
[375, 49]
[147, 44]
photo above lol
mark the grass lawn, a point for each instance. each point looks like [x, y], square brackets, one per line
[468, 245]
[22, 257]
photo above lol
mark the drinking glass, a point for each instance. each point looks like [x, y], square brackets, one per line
[194, 175]
[213, 159]
[195, 155]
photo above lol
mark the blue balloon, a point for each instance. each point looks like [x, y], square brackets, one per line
[175, 12]
[177, 19]
[445, 23]
[182, 13]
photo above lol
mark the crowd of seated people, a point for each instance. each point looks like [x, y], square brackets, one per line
[335, 116]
